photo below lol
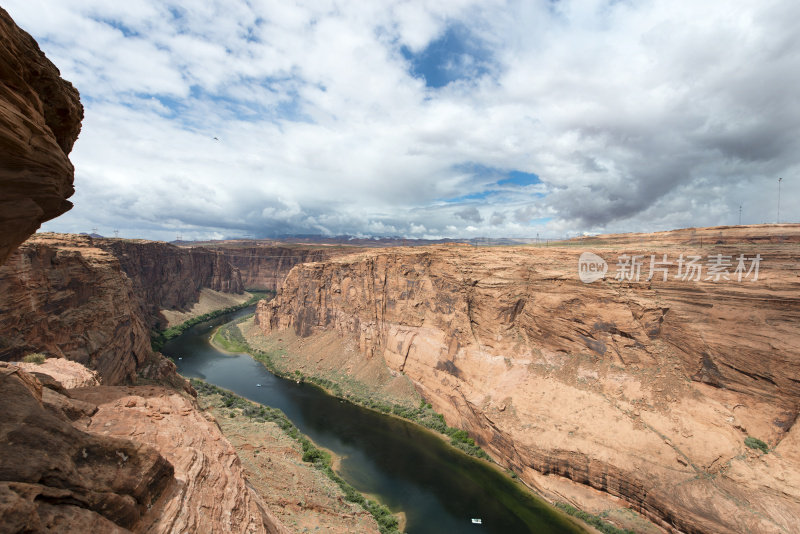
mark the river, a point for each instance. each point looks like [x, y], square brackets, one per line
[406, 467]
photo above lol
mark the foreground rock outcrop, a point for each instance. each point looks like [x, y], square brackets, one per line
[40, 118]
[642, 390]
[209, 492]
[117, 459]
[53, 477]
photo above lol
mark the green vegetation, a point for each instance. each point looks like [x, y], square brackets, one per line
[755, 443]
[34, 357]
[593, 520]
[157, 339]
[424, 415]
[320, 459]
[230, 338]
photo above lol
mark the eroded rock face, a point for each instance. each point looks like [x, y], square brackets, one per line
[70, 299]
[265, 267]
[53, 476]
[209, 492]
[94, 301]
[117, 459]
[169, 277]
[40, 118]
[644, 391]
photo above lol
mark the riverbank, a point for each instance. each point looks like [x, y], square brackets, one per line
[291, 474]
[388, 393]
[208, 301]
[158, 338]
[323, 362]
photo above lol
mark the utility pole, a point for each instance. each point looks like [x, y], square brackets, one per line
[94, 230]
[740, 214]
[779, 199]
[116, 233]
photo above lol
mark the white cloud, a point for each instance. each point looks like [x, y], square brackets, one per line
[635, 116]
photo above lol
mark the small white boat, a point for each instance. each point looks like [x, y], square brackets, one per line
[476, 521]
[180, 358]
[258, 385]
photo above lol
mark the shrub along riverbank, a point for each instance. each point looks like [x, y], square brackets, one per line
[320, 459]
[229, 337]
[157, 339]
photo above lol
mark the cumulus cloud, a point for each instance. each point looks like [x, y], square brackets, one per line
[471, 214]
[406, 118]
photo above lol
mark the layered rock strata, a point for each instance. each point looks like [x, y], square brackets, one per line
[209, 492]
[94, 301]
[117, 459]
[69, 299]
[40, 118]
[168, 277]
[263, 267]
[645, 391]
[55, 478]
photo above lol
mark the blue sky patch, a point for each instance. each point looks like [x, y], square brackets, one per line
[493, 181]
[456, 55]
[117, 25]
[520, 178]
[480, 195]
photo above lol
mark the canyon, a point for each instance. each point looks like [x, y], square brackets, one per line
[640, 392]
[95, 301]
[643, 391]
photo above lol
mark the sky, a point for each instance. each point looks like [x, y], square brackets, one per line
[426, 119]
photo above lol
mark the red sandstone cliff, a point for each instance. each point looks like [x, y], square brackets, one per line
[75, 300]
[40, 118]
[53, 477]
[168, 277]
[264, 266]
[68, 299]
[94, 300]
[644, 391]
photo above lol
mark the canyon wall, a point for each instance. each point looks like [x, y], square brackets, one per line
[265, 266]
[66, 298]
[644, 391]
[94, 301]
[168, 277]
[40, 118]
